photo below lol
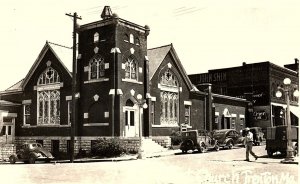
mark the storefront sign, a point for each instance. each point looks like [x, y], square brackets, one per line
[212, 77]
[260, 115]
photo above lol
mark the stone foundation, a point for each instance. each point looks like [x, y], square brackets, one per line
[6, 150]
[84, 143]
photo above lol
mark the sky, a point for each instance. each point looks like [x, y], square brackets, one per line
[206, 34]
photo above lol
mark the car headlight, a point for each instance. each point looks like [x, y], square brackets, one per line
[39, 155]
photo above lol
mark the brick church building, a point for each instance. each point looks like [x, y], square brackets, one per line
[121, 85]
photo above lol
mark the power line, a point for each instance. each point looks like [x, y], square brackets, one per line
[59, 45]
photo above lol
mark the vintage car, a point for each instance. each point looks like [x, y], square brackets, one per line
[276, 140]
[31, 152]
[227, 138]
[197, 140]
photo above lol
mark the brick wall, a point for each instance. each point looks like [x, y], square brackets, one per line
[6, 150]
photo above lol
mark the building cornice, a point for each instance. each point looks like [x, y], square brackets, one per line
[113, 20]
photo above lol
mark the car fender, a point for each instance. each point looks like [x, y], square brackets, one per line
[228, 140]
[294, 144]
[34, 154]
[201, 143]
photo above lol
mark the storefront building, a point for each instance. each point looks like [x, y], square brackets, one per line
[258, 83]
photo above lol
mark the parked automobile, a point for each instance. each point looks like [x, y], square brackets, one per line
[31, 152]
[227, 138]
[276, 140]
[197, 139]
[258, 135]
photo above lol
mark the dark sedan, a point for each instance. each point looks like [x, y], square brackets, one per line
[31, 152]
[228, 138]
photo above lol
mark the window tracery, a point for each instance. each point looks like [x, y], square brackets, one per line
[169, 100]
[131, 69]
[48, 98]
[97, 67]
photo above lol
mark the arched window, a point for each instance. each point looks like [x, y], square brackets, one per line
[131, 38]
[96, 37]
[137, 41]
[131, 68]
[97, 67]
[49, 76]
[168, 79]
[48, 95]
[126, 38]
[169, 96]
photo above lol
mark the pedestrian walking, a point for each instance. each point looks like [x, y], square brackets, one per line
[249, 144]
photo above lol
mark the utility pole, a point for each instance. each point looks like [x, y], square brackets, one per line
[74, 85]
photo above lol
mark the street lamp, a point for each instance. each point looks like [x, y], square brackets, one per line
[141, 105]
[286, 89]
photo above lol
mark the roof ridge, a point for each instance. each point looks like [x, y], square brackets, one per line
[161, 46]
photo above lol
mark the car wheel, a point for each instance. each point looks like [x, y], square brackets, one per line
[31, 159]
[230, 145]
[217, 148]
[12, 159]
[201, 149]
[270, 153]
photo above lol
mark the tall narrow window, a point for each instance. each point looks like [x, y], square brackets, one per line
[131, 68]
[153, 112]
[187, 114]
[131, 38]
[69, 112]
[96, 37]
[97, 67]
[48, 98]
[26, 112]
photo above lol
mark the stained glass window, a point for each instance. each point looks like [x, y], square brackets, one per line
[48, 96]
[169, 99]
[49, 76]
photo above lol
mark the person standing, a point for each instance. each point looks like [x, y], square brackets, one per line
[249, 144]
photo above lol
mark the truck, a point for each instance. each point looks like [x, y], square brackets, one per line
[277, 140]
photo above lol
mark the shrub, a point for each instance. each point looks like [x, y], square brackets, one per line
[111, 147]
[176, 138]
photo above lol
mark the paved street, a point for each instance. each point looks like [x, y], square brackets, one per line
[225, 166]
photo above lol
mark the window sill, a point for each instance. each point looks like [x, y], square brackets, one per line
[164, 126]
[39, 126]
[96, 80]
[132, 81]
[95, 124]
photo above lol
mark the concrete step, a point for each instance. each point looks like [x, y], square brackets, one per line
[150, 147]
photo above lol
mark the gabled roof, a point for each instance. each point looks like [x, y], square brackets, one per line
[156, 57]
[40, 57]
[16, 86]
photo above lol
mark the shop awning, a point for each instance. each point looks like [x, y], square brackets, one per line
[294, 109]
